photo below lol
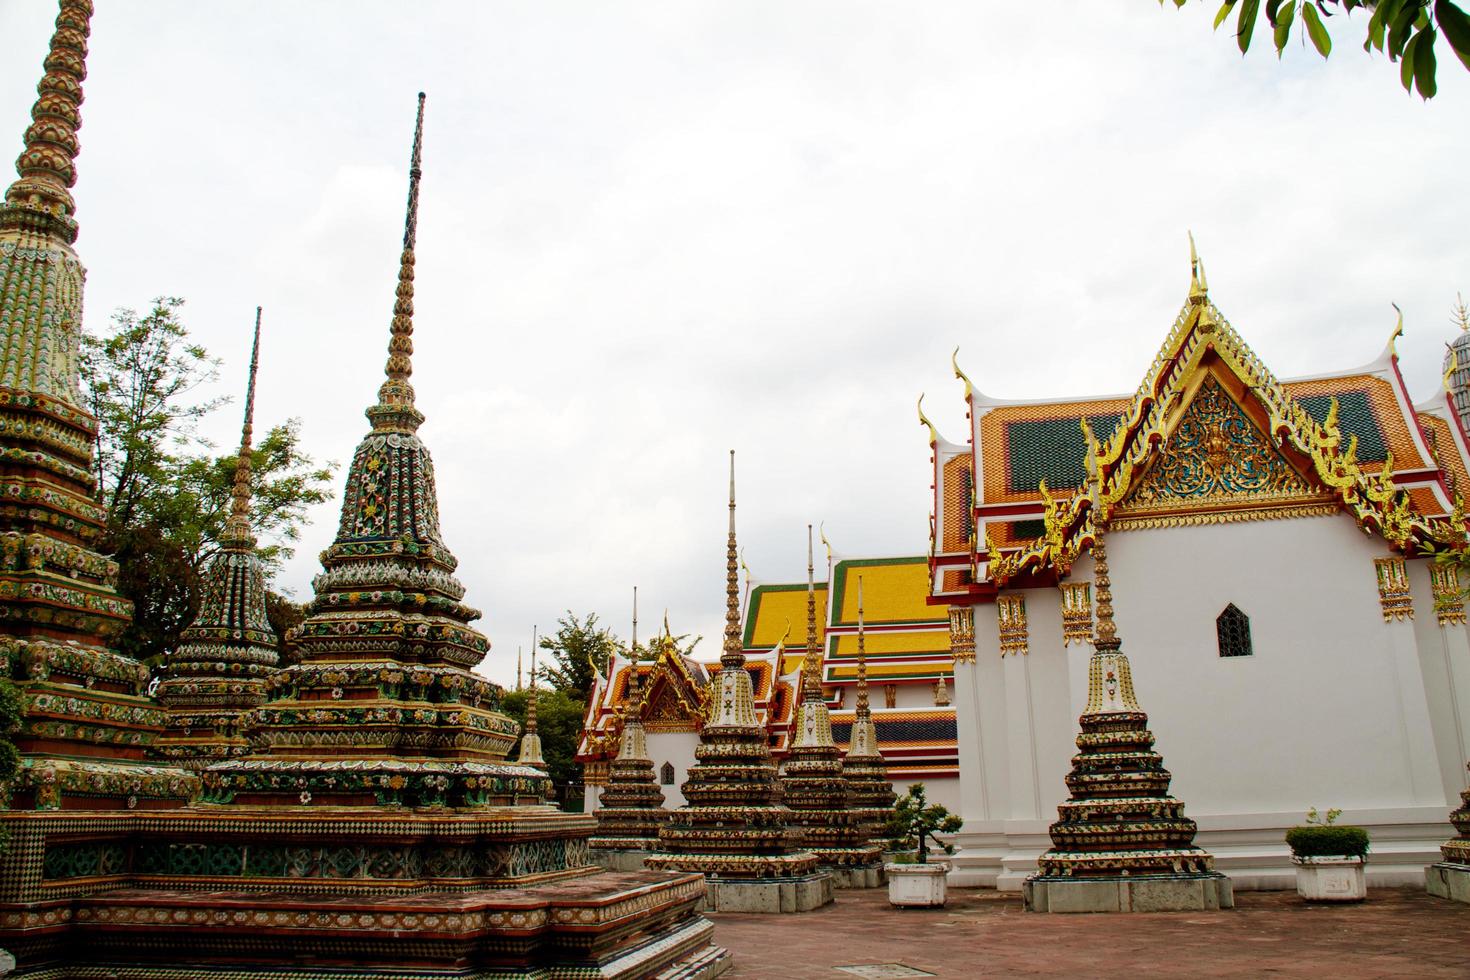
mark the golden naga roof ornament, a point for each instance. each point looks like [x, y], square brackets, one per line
[924, 420]
[954, 361]
[1450, 368]
[822, 536]
[1398, 331]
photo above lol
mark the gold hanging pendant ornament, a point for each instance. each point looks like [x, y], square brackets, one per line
[1011, 610]
[962, 634]
[1076, 612]
[1393, 589]
[1449, 600]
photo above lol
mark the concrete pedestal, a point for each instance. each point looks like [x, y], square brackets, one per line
[1181, 893]
[1451, 881]
[770, 895]
[871, 876]
[618, 858]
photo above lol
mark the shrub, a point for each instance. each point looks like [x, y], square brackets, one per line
[1323, 838]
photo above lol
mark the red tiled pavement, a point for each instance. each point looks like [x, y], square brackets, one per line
[1396, 933]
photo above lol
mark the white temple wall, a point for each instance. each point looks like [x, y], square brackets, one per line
[1336, 708]
[678, 748]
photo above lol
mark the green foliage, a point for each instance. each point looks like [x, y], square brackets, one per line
[915, 822]
[1406, 30]
[1321, 837]
[578, 648]
[559, 723]
[10, 718]
[166, 494]
[284, 615]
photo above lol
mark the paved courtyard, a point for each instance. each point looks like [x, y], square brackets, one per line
[1396, 933]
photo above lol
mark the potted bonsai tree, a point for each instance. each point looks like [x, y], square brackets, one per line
[1329, 858]
[912, 880]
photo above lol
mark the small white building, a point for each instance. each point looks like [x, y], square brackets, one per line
[1291, 640]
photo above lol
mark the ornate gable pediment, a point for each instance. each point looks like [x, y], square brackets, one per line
[1217, 466]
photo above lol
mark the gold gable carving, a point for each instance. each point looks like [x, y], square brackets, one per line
[667, 712]
[1218, 467]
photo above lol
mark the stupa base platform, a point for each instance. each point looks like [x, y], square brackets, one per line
[1448, 880]
[618, 858]
[768, 895]
[863, 876]
[1149, 893]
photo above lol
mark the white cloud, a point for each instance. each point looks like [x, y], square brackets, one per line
[651, 232]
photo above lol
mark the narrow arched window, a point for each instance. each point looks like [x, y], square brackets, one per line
[666, 774]
[1233, 629]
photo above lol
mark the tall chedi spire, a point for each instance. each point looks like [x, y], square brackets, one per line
[87, 724]
[530, 751]
[632, 806]
[733, 827]
[1121, 842]
[812, 780]
[226, 654]
[867, 775]
[382, 706]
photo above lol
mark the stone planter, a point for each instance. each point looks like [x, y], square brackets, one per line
[1330, 879]
[917, 885]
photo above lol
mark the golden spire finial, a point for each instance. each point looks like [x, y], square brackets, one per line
[531, 701]
[1460, 313]
[667, 632]
[237, 526]
[395, 408]
[954, 361]
[518, 668]
[731, 656]
[924, 420]
[863, 712]
[811, 690]
[634, 680]
[1398, 331]
[1198, 289]
[47, 165]
[1106, 637]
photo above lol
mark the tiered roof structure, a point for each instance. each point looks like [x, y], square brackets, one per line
[1120, 821]
[228, 652]
[382, 706]
[812, 778]
[733, 825]
[87, 725]
[632, 807]
[868, 786]
[1008, 511]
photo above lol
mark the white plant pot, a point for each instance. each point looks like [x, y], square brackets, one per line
[917, 885]
[1330, 879]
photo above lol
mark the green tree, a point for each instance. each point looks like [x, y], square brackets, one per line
[578, 648]
[10, 718]
[1406, 30]
[559, 716]
[166, 494]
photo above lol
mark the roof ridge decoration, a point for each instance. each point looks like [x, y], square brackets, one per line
[1116, 464]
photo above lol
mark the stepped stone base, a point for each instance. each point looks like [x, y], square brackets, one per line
[768, 895]
[1446, 880]
[618, 858]
[871, 876]
[1164, 893]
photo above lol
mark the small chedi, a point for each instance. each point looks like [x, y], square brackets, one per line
[814, 784]
[530, 750]
[870, 793]
[1121, 843]
[733, 828]
[375, 827]
[226, 655]
[632, 805]
[1450, 878]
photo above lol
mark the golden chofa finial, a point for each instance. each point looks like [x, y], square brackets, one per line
[1198, 289]
[924, 420]
[822, 536]
[395, 409]
[954, 362]
[47, 165]
[1398, 331]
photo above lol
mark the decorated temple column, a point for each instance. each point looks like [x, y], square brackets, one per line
[632, 805]
[224, 657]
[87, 725]
[1121, 843]
[734, 829]
[815, 788]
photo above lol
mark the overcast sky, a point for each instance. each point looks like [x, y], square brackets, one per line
[651, 232]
